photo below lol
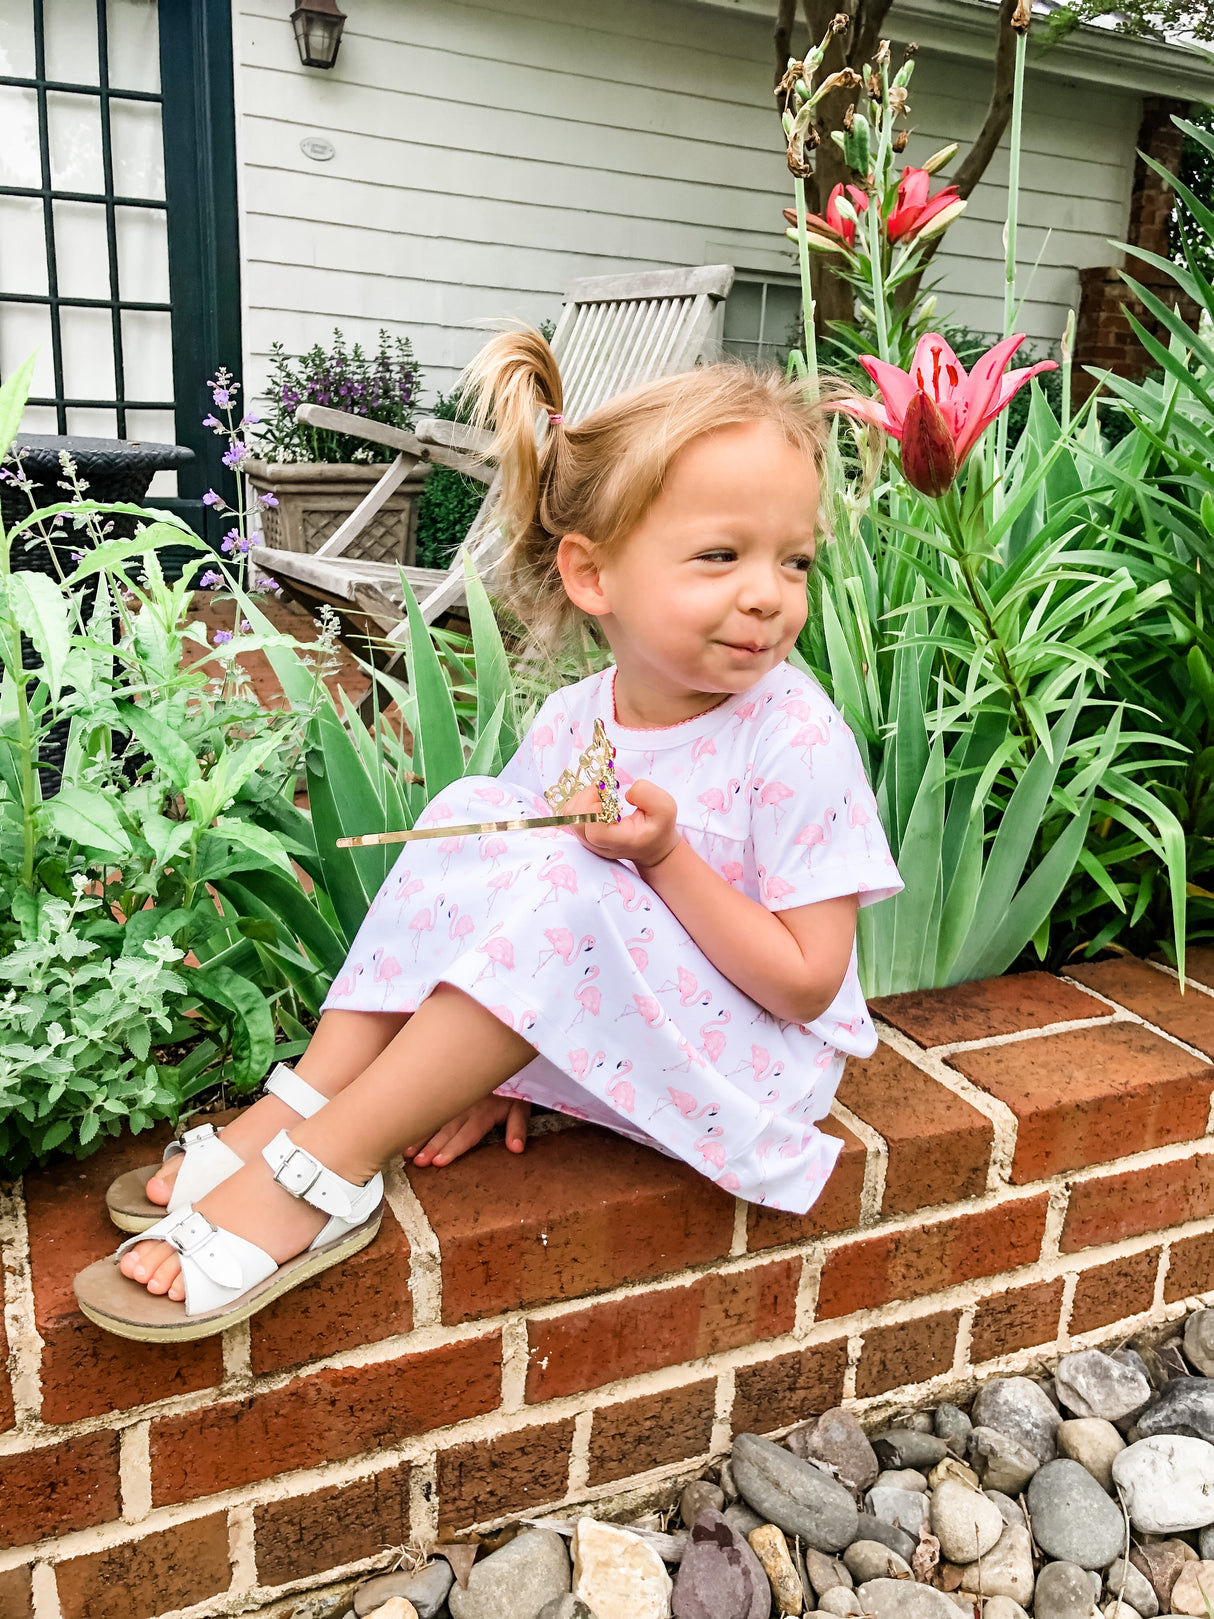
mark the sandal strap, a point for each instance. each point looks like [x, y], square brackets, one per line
[298, 1172]
[208, 1161]
[217, 1266]
[188, 1138]
[301, 1097]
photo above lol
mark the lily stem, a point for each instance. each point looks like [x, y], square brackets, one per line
[1015, 138]
[807, 294]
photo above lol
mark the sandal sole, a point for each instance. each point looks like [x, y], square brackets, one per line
[187, 1328]
[125, 1201]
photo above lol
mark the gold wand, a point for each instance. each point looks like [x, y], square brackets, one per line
[595, 768]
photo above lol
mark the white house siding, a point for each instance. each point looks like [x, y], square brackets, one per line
[487, 154]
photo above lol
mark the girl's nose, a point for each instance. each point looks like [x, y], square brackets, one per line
[759, 593]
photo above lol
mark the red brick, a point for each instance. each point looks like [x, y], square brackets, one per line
[789, 1388]
[984, 1008]
[1090, 1095]
[1199, 964]
[16, 1596]
[1108, 1293]
[838, 1208]
[939, 1146]
[58, 1488]
[1019, 1318]
[1155, 996]
[925, 1259]
[310, 1534]
[580, 1211]
[636, 1435]
[907, 1352]
[360, 1302]
[624, 1337]
[492, 1478]
[1135, 1201]
[170, 1570]
[87, 1372]
[1190, 1268]
[327, 1417]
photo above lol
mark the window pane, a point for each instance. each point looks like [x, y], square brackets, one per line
[24, 328]
[75, 133]
[782, 328]
[22, 246]
[147, 354]
[71, 41]
[134, 45]
[17, 39]
[20, 163]
[81, 252]
[143, 255]
[742, 311]
[138, 149]
[92, 423]
[88, 353]
[155, 427]
[38, 419]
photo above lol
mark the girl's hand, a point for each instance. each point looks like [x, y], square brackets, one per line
[645, 837]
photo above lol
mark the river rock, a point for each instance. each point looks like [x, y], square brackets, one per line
[1185, 1406]
[1019, 1408]
[394, 1608]
[1009, 1510]
[426, 1590]
[741, 1519]
[838, 1440]
[1064, 1591]
[793, 1495]
[1092, 1384]
[565, 1607]
[616, 1574]
[965, 1523]
[1002, 1608]
[901, 1599]
[841, 1599]
[1167, 1482]
[1205, 1542]
[1006, 1570]
[728, 1483]
[1194, 1584]
[1092, 1442]
[1134, 1586]
[870, 1527]
[1001, 1462]
[824, 1573]
[515, 1582]
[1073, 1519]
[701, 1495]
[870, 1560]
[903, 1478]
[1119, 1610]
[908, 1510]
[907, 1447]
[719, 1577]
[1199, 1341]
[1161, 1562]
[953, 1426]
[953, 1467]
[770, 1547]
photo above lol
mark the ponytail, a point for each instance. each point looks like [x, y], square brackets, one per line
[513, 379]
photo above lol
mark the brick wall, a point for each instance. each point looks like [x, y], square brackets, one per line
[1104, 337]
[1027, 1164]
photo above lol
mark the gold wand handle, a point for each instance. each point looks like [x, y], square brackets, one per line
[472, 828]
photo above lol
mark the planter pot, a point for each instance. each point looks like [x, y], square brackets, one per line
[314, 498]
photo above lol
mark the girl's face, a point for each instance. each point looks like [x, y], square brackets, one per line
[708, 593]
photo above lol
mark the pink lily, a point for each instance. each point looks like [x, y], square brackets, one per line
[961, 406]
[834, 223]
[914, 209]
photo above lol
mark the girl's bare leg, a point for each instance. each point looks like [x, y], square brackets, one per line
[345, 1043]
[450, 1055]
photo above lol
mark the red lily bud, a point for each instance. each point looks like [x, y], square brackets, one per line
[929, 451]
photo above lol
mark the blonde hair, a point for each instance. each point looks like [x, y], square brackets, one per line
[600, 477]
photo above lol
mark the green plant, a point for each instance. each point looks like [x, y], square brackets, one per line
[381, 386]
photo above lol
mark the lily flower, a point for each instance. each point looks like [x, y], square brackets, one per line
[914, 209]
[835, 225]
[938, 411]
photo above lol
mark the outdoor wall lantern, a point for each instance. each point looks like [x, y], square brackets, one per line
[318, 25]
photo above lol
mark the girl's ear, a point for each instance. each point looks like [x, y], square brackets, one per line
[577, 561]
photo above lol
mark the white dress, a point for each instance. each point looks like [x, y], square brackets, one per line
[634, 1027]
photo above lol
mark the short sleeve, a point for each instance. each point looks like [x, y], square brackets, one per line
[815, 828]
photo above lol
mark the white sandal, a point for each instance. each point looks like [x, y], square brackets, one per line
[208, 1160]
[227, 1279]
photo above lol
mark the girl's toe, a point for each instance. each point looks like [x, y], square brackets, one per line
[165, 1274]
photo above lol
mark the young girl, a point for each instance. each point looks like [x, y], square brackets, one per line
[685, 977]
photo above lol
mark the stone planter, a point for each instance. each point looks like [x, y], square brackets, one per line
[314, 498]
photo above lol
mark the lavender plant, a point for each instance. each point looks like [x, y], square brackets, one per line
[382, 386]
[241, 539]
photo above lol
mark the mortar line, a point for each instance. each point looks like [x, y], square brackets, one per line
[25, 1343]
[1015, 1037]
[242, 1548]
[135, 1472]
[722, 1418]
[1129, 1016]
[741, 1225]
[876, 1161]
[516, 1358]
[807, 1293]
[237, 1357]
[1070, 1282]
[579, 1453]
[965, 1339]
[425, 1253]
[45, 1591]
[423, 1499]
[1167, 971]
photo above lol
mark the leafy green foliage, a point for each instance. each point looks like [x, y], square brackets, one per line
[381, 386]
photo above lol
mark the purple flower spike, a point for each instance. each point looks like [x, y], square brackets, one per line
[211, 421]
[267, 500]
[220, 637]
[222, 396]
[211, 580]
[234, 456]
[249, 419]
[212, 499]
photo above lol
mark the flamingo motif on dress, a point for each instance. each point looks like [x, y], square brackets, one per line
[691, 1058]
[716, 800]
[857, 815]
[688, 987]
[581, 1062]
[649, 1009]
[808, 738]
[460, 926]
[560, 876]
[345, 985]
[492, 849]
[423, 922]
[620, 1091]
[500, 953]
[733, 872]
[712, 1037]
[771, 795]
[636, 949]
[500, 882]
[588, 997]
[702, 748]
[711, 1147]
[386, 967]
[491, 794]
[542, 739]
[622, 885]
[761, 1066]
[774, 888]
[563, 945]
[817, 834]
[688, 1105]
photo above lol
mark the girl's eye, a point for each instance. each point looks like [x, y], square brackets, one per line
[802, 564]
[717, 556]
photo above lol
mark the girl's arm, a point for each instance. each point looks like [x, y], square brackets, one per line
[792, 962]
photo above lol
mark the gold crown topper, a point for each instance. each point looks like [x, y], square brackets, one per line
[595, 768]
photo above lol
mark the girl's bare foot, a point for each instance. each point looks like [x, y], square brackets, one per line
[467, 1128]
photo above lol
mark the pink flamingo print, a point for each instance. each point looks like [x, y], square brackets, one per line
[423, 921]
[716, 800]
[690, 993]
[622, 885]
[691, 1058]
[620, 1092]
[808, 738]
[761, 1065]
[774, 889]
[747, 712]
[649, 1009]
[406, 887]
[581, 1062]
[460, 926]
[541, 740]
[500, 882]
[711, 1148]
[636, 949]
[492, 849]
[345, 985]
[712, 1037]
[733, 871]
[563, 945]
[857, 815]
[588, 997]
[771, 795]
[499, 952]
[702, 748]
[688, 1105]
[728, 1182]
[853, 1026]
[560, 876]
[386, 967]
[795, 708]
[496, 796]
[816, 834]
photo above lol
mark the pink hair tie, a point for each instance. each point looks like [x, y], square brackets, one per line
[555, 419]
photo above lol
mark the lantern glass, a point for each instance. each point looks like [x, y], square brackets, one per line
[318, 29]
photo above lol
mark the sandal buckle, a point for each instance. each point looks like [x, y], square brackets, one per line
[197, 1133]
[190, 1233]
[298, 1179]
